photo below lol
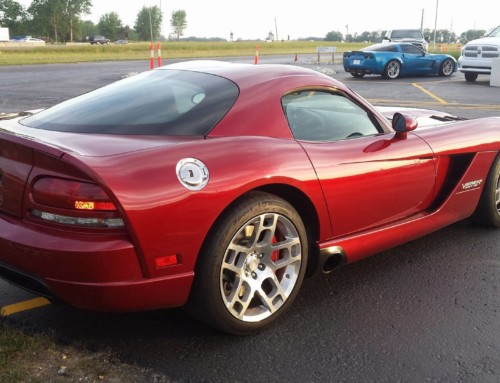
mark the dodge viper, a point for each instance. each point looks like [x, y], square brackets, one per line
[392, 60]
[220, 186]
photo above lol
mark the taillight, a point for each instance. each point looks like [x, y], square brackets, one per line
[76, 203]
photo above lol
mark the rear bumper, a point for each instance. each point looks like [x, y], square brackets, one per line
[85, 271]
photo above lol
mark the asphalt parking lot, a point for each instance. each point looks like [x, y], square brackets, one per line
[427, 311]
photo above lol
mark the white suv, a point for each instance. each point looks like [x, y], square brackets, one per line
[477, 55]
[413, 36]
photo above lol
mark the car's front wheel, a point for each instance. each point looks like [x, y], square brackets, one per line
[447, 68]
[470, 77]
[392, 69]
[488, 210]
[252, 265]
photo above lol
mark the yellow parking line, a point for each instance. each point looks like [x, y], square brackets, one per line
[23, 306]
[440, 100]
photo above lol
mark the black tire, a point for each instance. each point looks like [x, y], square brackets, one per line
[358, 74]
[470, 77]
[488, 210]
[251, 266]
[447, 68]
[392, 70]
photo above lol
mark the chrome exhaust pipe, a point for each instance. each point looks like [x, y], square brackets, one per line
[330, 258]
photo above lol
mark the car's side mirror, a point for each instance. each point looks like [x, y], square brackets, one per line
[402, 124]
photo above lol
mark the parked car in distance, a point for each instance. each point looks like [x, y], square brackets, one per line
[28, 39]
[98, 40]
[167, 188]
[413, 36]
[392, 60]
[121, 42]
[477, 55]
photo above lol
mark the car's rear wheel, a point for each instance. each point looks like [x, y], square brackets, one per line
[488, 209]
[252, 265]
[447, 68]
[392, 69]
[470, 77]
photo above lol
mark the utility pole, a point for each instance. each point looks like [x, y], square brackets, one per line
[422, 22]
[435, 24]
[276, 28]
[161, 15]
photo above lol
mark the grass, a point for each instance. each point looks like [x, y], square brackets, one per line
[72, 53]
[14, 347]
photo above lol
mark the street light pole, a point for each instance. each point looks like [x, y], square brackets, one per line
[435, 24]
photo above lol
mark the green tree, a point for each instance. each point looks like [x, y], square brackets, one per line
[46, 17]
[471, 34]
[148, 23]
[72, 11]
[178, 22]
[13, 16]
[57, 17]
[87, 28]
[110, 25]
[128, 33]
[333, 36]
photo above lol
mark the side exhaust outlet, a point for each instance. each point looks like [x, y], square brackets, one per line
[330, 258]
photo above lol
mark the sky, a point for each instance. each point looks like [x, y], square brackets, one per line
[312, 18]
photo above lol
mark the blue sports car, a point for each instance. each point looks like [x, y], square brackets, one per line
[392, 60]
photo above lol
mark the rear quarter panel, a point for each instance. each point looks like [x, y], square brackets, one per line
[165, 218]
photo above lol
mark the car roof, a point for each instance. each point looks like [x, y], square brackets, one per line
[249, 75]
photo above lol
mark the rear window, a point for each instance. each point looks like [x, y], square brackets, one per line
[381, 48]
[160, 102]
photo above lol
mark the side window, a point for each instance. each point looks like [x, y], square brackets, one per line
[411, 49]
[323, 116]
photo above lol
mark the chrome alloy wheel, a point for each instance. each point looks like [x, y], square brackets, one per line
[448, 67]
[393, 69]
[261, 267]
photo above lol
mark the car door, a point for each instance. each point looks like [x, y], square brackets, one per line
[369, 177]
[416, 61]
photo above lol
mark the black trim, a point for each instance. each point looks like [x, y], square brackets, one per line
[26, 282]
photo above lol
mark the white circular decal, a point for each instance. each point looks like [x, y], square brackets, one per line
[192, 173]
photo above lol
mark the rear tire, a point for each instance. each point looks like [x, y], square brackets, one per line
[251, 266]
[488, 210]
[392, 70]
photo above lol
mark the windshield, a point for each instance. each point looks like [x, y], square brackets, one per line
[406, 34]
[495, 32]
[159, 102]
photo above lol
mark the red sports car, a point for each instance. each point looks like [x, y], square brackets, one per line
[220, 186]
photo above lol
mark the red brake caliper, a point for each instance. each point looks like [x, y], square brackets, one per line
[276, 254]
